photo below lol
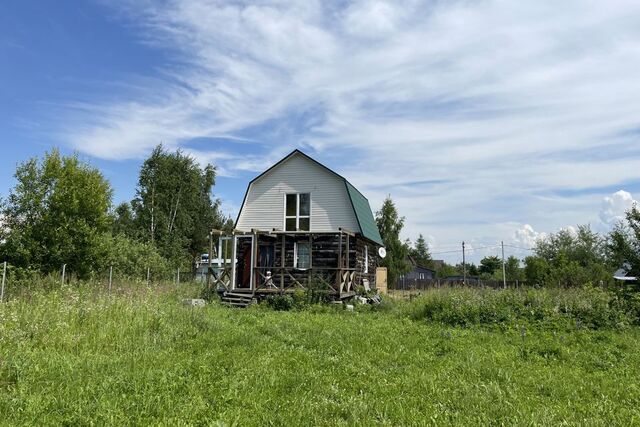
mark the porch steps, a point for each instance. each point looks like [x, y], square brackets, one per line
[237, 300]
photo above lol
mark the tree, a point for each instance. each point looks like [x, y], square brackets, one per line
[420, 252]
[490, 265]
[512, 269]
[123, 221]
[569, 258]
[390, 225]
[623, 242]
[56, 214]
[536, 270]
[174, 209]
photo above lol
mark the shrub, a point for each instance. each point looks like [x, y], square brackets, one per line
[280, 302]
[588, 307]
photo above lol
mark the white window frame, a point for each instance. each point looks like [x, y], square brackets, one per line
[366, 259]
[297, 216]
[295, 255]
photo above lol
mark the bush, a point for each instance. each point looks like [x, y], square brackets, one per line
[131, 258]
[280, 302]
[588, 307]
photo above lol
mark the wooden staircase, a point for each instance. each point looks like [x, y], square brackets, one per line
[237, 299]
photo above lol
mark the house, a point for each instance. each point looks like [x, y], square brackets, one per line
[301, 225]
[418, 272]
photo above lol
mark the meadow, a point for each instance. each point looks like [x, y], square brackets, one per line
[74, 356]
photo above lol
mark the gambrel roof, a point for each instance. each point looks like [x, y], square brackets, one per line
[359, 203]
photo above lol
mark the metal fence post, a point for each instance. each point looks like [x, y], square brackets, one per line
[4, 276]
[148, 274]
[110, 278]
[178, 277]
[64, 271]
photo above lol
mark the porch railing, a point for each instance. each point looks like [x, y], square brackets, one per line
[329, 279]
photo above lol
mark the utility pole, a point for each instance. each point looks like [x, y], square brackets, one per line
[504, 271]
[464, 266]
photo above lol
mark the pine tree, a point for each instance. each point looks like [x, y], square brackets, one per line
[420, 252]
[390, 225]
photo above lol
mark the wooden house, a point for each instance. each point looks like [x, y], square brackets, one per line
[301, 225]
[418, 272]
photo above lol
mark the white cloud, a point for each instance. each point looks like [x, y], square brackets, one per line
[614, 208]
[505, 104]
[527, 236]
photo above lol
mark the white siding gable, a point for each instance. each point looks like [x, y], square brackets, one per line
[330, 204]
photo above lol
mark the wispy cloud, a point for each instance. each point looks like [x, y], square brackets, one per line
[487, 99]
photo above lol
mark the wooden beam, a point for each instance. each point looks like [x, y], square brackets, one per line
[348, 251]
[310, 261]
[340, 264]
[254, 261]
[283, 255]
[347, 232]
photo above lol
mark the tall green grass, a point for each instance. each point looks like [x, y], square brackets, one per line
[74, 356]
[587, 307]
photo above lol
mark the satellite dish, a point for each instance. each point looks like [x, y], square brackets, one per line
[382, 252]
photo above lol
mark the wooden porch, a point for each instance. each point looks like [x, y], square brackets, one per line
[268, 262]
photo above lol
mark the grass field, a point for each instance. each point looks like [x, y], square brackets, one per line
[76, 358]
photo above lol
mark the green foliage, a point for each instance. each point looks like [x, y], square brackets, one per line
[512, 268]
[173, 208]
[472, 269]
[490, 265]
[284, 302]
[123, 221]
[587, 307]
[624, 242]
[569, 259]
[420, 252]
[55, 215]
[130, 258]
[390, 225]
[74, 357]
[446, 270]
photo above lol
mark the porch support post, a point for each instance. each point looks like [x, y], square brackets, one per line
[348, 252]
[310, 260]
[234, 257]
[254, 259]
[283, 255]
[348, 282]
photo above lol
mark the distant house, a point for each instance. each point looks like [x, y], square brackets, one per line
[416, 276]
[418, 272]
[300, 225]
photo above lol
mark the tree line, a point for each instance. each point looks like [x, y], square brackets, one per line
[566, 258]
[61, 212]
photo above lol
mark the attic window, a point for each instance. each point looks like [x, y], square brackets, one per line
[297, 212]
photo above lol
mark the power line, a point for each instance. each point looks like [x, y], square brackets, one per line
[520, 247]
[471, 249]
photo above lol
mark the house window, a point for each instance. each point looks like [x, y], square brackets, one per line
[297, 212]
[366, 259]
[302, 255]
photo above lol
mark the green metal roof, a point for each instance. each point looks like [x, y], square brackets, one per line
[361, 206]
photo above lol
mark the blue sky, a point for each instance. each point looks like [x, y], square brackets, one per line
[485, 120]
